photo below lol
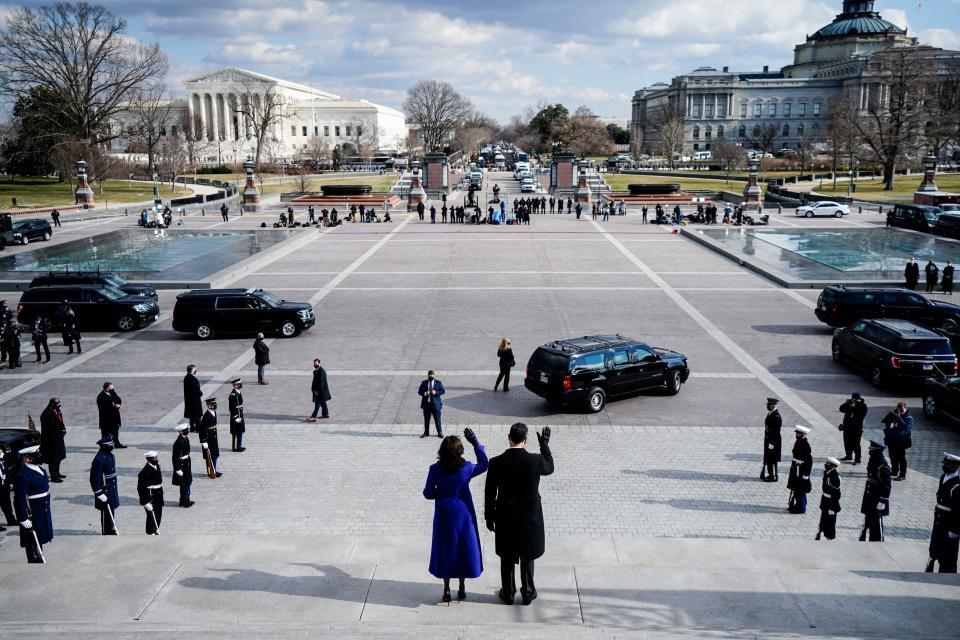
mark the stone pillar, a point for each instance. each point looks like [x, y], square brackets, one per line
[436, 174]
[929, 175]
[251, 196]
[417, 192]
[583, 192]
[562, 172]
[83, 194]
[752, 193]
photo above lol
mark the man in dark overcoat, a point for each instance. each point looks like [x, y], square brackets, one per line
[192, 397]
[108, 406]
[771, 442]
[513, 510]
[52, 434]
[320, 391]
[854, 412]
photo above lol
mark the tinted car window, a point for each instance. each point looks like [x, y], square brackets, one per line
[269, 298]
[620, 358]
[859, 327]
[642, 354]
[589, 362]
[860, 297]
[548, 361]
[113, 293]
[231, 302]
[89, 295]
[926, 347]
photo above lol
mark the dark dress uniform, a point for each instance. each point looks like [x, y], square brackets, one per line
[52, 434]
[771, 445]
[40, 339]
[829, 504]
[854, 412]
[946, 521]
[32, 502]
[182, 470]
[876, 496]
[103, 481]
[6, 482]
[513, 510]
[237, 424]
[192, 400]
[150, 490]
[109, 415]
[799, 480]
[207, 430]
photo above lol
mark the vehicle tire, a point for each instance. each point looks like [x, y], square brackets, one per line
[203, 331]
[25, 240]
[596, 399]
[930, 408]
[809, 214]
[837, 354]
[46, 235]
[126, 323]
[673, 382]
[876, 376]
[950, 324]
[288, 329]
[838, 214]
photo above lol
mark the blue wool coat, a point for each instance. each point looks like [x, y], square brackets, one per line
[33, 483]
[103, 478]
[455, 552]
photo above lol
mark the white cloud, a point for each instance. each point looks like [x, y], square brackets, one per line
[943, 38]
[897, 17]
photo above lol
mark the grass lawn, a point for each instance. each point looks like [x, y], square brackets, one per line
[379, 184]
[619, 182]
[48, 192]
[903, 187]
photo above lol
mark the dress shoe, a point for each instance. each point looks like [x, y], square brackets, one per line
[311, 419]
[2, 528]
[527, 599]
[120, 446]
[264, 382]
[58, 480]
[461, 594]
[440, 435]
[847, 459]
[326, 417]
[219, 474]
[424, 435]
[241, 449]
[62, 476]
[504, 598]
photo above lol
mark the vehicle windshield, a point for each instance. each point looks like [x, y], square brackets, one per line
[270, 299]
[113, 293]
[114, 281]
[926, 347]
[20, 226]
[931, 215]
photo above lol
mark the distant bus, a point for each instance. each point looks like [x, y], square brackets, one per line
[522, 157]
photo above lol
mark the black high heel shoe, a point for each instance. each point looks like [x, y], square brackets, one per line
[461, 594]
[446, 595]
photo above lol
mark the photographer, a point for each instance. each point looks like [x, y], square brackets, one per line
[897, 430]
[854, 412]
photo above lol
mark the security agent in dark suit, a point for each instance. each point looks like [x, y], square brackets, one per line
[512, 509]
[192, 397]
[431, 401]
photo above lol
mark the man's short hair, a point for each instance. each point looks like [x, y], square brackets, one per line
[106, 384]
[191, 367]
[518, 432]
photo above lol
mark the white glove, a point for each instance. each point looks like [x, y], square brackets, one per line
[952, 535]
[26, 524]
[204, 445]
[179, 473]
[769, 446]
[102, 497]
[148, 507]
[880, 506]
[831, 513]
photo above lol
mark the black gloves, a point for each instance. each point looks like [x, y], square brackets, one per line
[471, 437]
[491, 526]
[544, 438]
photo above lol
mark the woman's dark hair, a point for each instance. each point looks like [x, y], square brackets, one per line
[450, 454]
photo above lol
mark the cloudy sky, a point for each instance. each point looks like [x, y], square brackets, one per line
[503, 55]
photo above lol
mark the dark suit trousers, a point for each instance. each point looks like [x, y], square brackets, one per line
[508, 581]
[5, 505]
[428, 411]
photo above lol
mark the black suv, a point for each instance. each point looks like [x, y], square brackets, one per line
[839, 306]
[92, 277]
[894, 350]
[205, 312]
[914, 216]
[95, 305]
[590, 369]
[23, 231]
[941, 398]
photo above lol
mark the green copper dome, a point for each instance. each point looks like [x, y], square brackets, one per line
[858, 17]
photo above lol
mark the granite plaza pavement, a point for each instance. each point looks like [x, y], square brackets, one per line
[657, 525]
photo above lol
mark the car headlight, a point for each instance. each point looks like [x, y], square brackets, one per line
[141, 308]
[304, 313]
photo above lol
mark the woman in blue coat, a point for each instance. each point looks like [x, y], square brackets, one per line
[455, 552]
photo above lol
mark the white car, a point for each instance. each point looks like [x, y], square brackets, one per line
[825, 208]
[528, 185]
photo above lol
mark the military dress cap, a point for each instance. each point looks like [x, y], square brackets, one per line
[182, 427]
[150, 454]
[236, 380]
[210, 400]
[772, 401]
[950, 457]
[833, 461]
[801, 429]
[877, 446]
[29, 450]
[106, 440]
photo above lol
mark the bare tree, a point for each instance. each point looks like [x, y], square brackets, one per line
[437, 110]
[943, 110]
[101, 166]
[728, 155]
[79, 54]
[806, 149]
[582, 133]
[148, 118]
[174, 158]
[318, 149]
[764, 137]
[669, 127]
[472, 139]
[364, 141]
[841, 138]
[263, 112]
[194, 137]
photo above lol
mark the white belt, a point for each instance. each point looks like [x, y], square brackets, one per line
[38, 495]
[940, 506]
[798, 461]
[828, 495]
[112, 475]
[185, 457]
[155, 486]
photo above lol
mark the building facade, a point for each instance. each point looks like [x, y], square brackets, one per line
[735, 104]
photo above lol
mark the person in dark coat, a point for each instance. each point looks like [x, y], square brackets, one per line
[946, 281]
[71, 332]
[182, 471]
[6, 485]
[238, 424]
[261, 357]
[945, 537]
[207, 430]
[455, 549]
[32, 505]
[933, 275]
[11, 338]
[772, 443]
[876, 494]
[103, 482]
[800, 468]
[505, 354]
[52, 434]
[192, 397]
[431, 402]
[108, 406]
[912, 274]
[854, 412]
[39, 334]
[420, 210]
[150, 491]
[512, 510]
[829, 500]
[320, 392]
[897, 435]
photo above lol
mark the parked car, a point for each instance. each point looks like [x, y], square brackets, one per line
[948, 225]
[24, 231]
[207, 312]
[95, 306]
[914, 216]
[587, 371]
[894, 350]
[825, 208]
[93, 277]
[527, 185]
[13, 440]
[839, 306]
[941, 398]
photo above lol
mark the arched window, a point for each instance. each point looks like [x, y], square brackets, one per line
[720, 131]
[800, 129]
[816, 129]
[742, 131]
[708, 132]
[696, 133]
[786, 130]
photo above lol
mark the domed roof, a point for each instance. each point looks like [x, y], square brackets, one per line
[704, 70]
[857, 24]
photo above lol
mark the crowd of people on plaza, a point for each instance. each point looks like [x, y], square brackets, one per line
[11, 336]
[933, 276]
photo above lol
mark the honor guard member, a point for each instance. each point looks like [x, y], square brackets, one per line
[945, 537]
[182, 473]
[829, 500]
[103, 481]
[6, 485]
[876, 494]
[208, 434]
[32, 505]
[235, 401]
[800, 468]
[771, 442]
[150, 490]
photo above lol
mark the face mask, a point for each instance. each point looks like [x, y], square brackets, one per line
[240, 386]
[947, 468]
[429, 377]
[58, 405]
